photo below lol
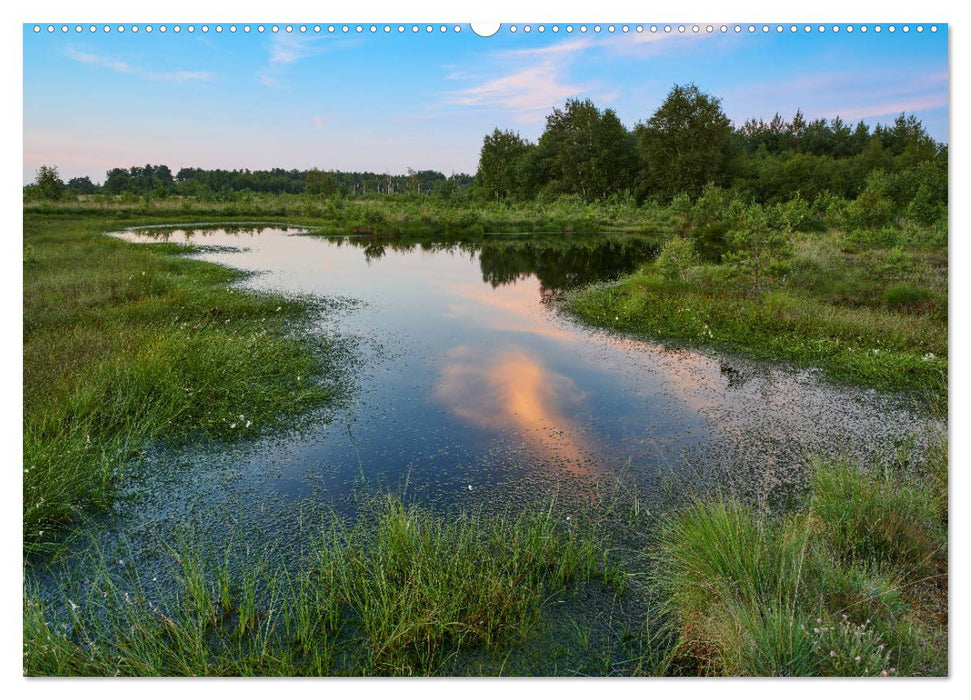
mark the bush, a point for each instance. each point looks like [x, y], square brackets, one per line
[677, 255]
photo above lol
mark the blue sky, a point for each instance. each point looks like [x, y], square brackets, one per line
[387, 102]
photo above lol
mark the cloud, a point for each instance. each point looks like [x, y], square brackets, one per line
[527, 91]
[286, 49]
[850, 95]
[648, 44]
[178, 76]
[558, 48]
[318, 121]
[538, 79]
[890, 109]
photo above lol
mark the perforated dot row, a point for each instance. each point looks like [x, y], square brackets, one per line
[513, 28]
[722, 28]
[246, 28]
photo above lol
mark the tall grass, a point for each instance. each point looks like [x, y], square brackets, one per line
[826, 309]
[399, 592]
[850, 585]
[125, 344]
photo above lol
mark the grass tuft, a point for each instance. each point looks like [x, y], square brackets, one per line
[844, 587]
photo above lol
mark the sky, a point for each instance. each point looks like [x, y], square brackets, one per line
[387, 102]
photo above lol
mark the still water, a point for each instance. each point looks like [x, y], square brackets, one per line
[468, 387]
[470, 377]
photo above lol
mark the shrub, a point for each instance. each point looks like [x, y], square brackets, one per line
[677, 255]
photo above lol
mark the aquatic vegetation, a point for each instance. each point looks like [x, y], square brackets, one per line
[138, 344]
[850, 584]
[398, 592]
[146, 345]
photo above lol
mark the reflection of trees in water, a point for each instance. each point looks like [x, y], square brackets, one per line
[558, 263]
[561, 265]
[376, 247]
[166, 234]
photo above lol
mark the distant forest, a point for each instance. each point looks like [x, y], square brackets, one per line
[688, 144]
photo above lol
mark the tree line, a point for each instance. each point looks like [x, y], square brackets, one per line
[159, 181]
[689, 143]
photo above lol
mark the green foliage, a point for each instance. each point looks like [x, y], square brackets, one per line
[501, 163]
[855, 176]
[48, 183]
[686, 144]
[925, 208]
[713, 209]
[136, 345]
[757, 249]
[682, 210]
[828, 310]
[881, 519]
[796, 595]
[874, 207]
[906, 296]
[585, 152]
[399, 592]
[676, 256]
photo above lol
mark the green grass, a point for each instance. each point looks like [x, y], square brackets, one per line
[852, 584]
[126, 343]
[825, 309]
[399, 592]
[397, 214]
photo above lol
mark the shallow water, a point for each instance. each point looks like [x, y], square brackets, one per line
[471, 388]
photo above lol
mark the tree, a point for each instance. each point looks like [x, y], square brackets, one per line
[587, 152]
[500, 162]
[319, 182]
[81, 185]
[676, 256]
[757, 248]
[686, 144]
[49, 182]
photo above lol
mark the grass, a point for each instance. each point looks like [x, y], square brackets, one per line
[139, 344]
[124, 344]
[397, 214]
[855, 313]
[853, 584]
[399, 592]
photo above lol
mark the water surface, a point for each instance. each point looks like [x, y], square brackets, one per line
[470, 388]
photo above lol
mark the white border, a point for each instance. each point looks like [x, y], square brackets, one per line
[385, 11]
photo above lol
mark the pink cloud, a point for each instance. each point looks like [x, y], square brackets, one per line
[528, 93]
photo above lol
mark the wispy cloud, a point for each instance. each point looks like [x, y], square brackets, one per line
[178, 76]
[647, 44]
[527, 91]
[537, 79]
[559, 48]
[851, 95]
[890, 109]
[286, 49]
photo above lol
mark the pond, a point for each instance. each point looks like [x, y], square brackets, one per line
[471, 388]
